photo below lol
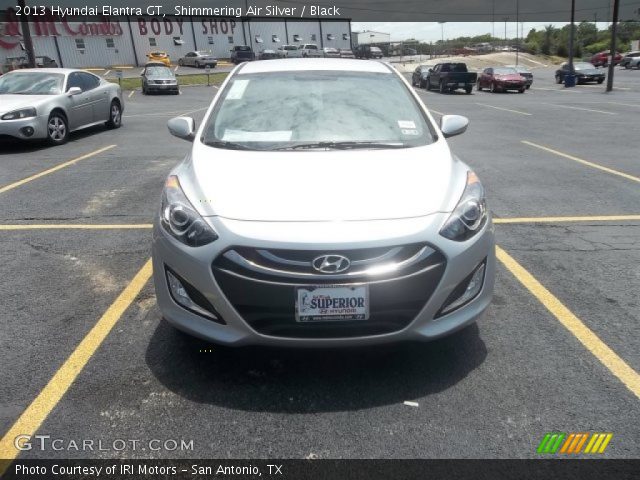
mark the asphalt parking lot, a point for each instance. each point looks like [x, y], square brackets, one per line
[86, 355]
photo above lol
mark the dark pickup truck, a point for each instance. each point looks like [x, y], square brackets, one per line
[242, 53]
[448, 77]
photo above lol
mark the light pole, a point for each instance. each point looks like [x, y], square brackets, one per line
[26, 35]
[517, 31]
[505, 30]
[442, 35]
[614, 32]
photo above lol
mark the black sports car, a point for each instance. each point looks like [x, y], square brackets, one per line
[584, 72]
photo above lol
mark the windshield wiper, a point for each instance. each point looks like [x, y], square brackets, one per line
[227, 145]
[340, 145]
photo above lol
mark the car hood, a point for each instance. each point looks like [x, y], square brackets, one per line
[589, 71]
[9, 103]
[323, 185]
[511, 76]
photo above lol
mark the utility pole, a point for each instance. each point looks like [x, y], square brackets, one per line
[614, 32]
[26, 36]
[517, 31]
[493, 19]
[572, 34]
[505, 31]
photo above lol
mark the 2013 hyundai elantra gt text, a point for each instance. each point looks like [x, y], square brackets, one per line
[320, 205]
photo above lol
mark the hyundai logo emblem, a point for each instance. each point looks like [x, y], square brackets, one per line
[331, 263]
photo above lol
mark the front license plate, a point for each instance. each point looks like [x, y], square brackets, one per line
[332, 303]
[462, 85]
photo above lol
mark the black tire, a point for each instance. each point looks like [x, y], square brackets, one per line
[115, 115]
[57, 128]
[600, 80]
[180, 62]
[558, 79]
[521, 90]
[442, 87]
[528, 87]
[478, 87]
[468, 90]
[197, 64]
[492, 87]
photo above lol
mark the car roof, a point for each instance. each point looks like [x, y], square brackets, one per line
[64, 71]
[316, 64]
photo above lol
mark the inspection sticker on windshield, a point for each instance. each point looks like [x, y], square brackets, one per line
[328, 303]
[237, 89]
[406, 124]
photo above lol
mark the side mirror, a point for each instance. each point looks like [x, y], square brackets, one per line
[430, 70]
[452, 125]
[182, 127]
[74, 91]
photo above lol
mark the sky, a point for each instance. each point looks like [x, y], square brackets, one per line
[431, 32]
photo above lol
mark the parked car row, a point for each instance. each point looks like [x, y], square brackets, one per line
[448, 77]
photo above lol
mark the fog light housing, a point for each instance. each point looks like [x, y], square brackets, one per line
[27, 131]
[466, 290]
[191, 299]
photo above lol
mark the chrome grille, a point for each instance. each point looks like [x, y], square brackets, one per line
[297, 265]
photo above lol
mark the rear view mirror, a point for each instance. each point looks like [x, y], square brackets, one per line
[74, 91]
[452, 125]
[182, 127]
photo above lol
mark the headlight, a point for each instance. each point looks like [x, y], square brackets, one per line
[470, 214]
[179, 218]
[18, 114]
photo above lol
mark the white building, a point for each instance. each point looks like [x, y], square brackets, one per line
[126, 41]
[371, 37]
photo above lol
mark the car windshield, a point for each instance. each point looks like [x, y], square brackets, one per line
[290, 47]
[319, 109]
[582, 66]
[157, 54]
[158, 72]
[504, 71]
[32, 83]
[242, 49]
[201, 52]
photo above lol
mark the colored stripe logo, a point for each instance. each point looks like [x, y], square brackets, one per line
[573, 443]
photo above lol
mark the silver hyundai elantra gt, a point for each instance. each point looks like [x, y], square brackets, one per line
[320, 205]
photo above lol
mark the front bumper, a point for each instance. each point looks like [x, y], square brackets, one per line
[244, 322]
[511, 86]
[162, 87]
[20, 128]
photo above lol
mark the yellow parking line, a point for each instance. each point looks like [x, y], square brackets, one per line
[40, 408]
[593, 218]
[74, 226]
[584, 162]
[616, 365]
[505, 109]
[11, 186]
[131, 94]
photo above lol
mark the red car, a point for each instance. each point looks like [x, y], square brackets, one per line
[601, 59]
[501, 79]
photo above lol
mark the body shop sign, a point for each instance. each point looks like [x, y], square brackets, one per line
[54, 25]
